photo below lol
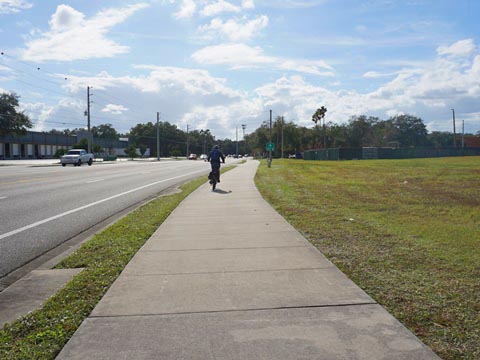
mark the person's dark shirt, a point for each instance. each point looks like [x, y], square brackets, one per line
[216, 156]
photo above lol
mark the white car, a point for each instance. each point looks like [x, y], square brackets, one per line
[77, 157]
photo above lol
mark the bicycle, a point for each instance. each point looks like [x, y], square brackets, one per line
[213, 178]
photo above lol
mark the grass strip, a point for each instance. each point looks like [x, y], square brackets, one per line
[43, 333]
[406, 231]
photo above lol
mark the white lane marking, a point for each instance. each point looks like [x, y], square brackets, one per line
[41, 222]
[94, 181]
[2, 197]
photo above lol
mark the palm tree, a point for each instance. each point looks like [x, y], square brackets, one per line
[317, 117]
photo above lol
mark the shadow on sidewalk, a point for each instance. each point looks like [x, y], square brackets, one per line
[223, 192]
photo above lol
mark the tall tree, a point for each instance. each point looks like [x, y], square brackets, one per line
[440, 139]
[207, 139]
[359, 128]
[172, 139]
[317, 118]
[410, 130]
[105, 131]
[12, 121]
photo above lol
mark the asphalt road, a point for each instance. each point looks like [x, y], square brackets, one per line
[42, 207]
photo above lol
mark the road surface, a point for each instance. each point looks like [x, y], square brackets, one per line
[42, 207]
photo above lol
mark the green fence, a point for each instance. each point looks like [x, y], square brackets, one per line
[386, 153]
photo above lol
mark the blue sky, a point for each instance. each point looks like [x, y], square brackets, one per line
[218, 64]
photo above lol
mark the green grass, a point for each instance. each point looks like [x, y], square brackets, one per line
[406, 231]
[43, 333]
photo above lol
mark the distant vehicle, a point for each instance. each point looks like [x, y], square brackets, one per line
[291, 156]
[204, 157]
[192, 157]
[76, 157]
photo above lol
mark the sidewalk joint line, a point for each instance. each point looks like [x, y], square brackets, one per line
[328, 266]
[236, 310]
[233, 248]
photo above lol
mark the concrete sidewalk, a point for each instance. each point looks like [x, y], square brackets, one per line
[226, 277]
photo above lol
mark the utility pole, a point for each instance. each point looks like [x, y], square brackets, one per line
[324, 135]
[282, 138]
[158, 136]
[88, 119]
[236, 141]
[244, 126]
[187, 142]
[454, 133]
[463, 133]
[270, 151]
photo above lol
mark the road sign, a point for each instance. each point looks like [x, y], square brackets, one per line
[270, 146]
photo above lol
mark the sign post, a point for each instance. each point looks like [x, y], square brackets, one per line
[270, 146]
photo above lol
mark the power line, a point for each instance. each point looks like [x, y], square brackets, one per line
[98, 94]
[18, 71]
[55, 122]
[33, 71]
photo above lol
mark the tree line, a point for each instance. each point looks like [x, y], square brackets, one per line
[359, 131]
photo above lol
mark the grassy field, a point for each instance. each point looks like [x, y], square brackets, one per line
[406, 231]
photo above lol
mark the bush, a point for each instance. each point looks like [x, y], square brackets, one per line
[60, 152]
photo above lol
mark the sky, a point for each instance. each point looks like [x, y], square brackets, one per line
[218, 64]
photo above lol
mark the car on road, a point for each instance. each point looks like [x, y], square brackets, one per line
[192, 157]
[204, 157]
[77, 157]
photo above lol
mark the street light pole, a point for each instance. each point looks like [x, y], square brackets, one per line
[283, 123]
[244, 126]
[158, 136]
[236, 138]
[188, 145]
[88, 119]
[454, 133]
[270, 151]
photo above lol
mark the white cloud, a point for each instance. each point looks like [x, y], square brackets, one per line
[290, 4]
[45, 116]
[234, 30]
[65, 18]
[235, 55]
[461, 48]
[114, 109]
[210, 8]
[13, 6]
[241, 56]
[224, 119]
[193, 81]
[187, 9]
[248, 4]
[376, 74]
[218, 7]
[195, 97]
[428, 92]
[72, 37]
[179, 93]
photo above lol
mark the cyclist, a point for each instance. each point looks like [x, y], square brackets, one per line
[214, 158]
